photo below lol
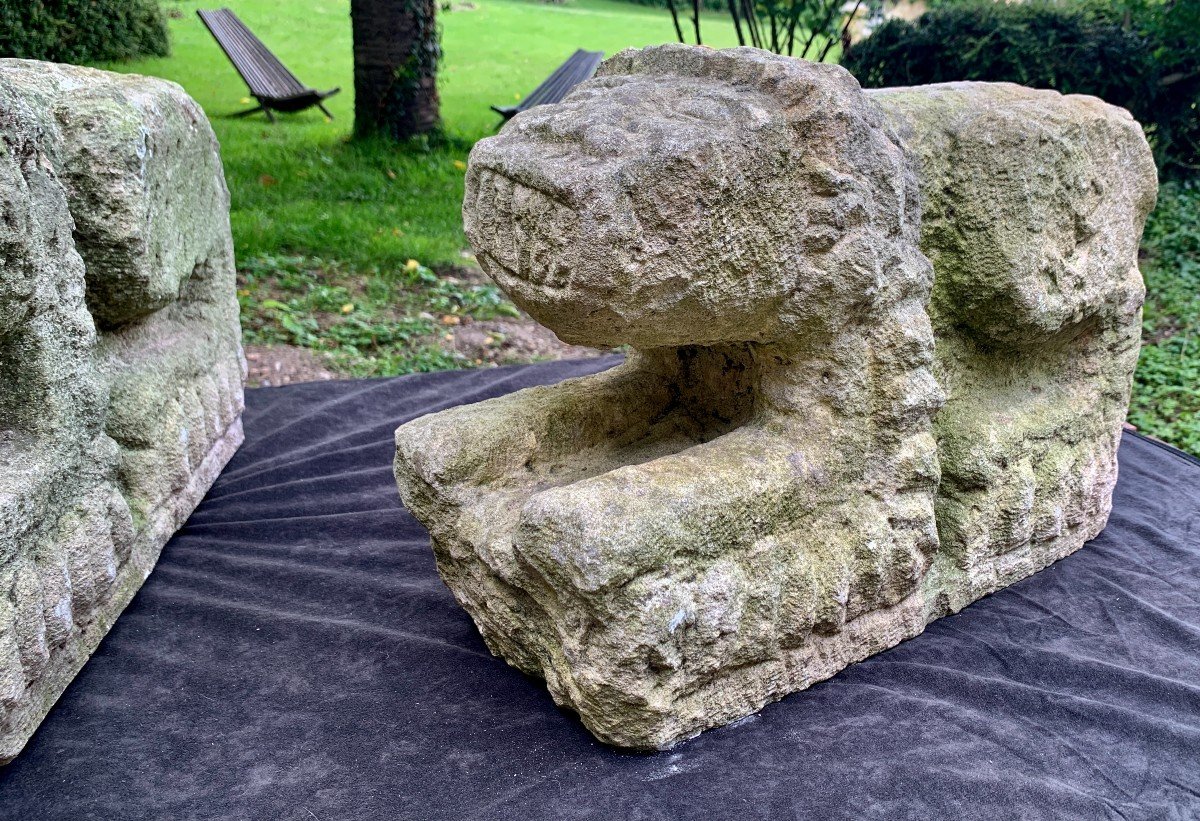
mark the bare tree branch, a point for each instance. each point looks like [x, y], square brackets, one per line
[842, 37]
[675, 19]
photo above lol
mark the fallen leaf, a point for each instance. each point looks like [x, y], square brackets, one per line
[267, 180]
[460, 165]
[391, 174]
[450, 319]
[348, 308]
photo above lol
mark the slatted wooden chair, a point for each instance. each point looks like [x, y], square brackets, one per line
[275, 88]
[579, 66]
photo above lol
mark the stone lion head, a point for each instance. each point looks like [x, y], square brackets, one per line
[693, 196]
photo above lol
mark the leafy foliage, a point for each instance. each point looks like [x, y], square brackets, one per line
[1166, 392]
[1171, 30]
[1143, 55]
[80, 31]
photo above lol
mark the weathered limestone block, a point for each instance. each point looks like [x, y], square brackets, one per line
[120, 357]
[761, 495]
[1033, 206]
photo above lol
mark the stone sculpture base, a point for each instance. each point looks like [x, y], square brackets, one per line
[69, 657]
[120, 357]
[652, 649]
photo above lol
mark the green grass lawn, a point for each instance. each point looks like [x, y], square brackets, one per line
[300, 186]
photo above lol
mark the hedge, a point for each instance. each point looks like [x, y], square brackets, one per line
[1141, 55]
[82, 31]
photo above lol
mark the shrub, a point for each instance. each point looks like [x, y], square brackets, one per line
[82, 31]
[1171, 29]
[1138, 54]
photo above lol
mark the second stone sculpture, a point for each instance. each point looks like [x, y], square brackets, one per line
[765, 491]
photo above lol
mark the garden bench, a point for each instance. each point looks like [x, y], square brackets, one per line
[579, 66]
[269, 80]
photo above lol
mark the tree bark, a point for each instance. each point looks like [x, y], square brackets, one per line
[396, 53]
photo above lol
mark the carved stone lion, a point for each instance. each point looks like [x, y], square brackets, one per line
[751, 502]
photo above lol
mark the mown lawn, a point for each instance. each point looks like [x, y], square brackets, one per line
[356, 249]
[301, 187]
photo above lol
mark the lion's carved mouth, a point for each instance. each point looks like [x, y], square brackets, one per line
[525, 231]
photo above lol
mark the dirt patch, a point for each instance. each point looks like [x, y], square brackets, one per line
[273, 365]
[509, 341]
[480, 343]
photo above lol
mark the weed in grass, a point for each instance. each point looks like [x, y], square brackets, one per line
[377, 322]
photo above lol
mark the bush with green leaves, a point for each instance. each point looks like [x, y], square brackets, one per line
[82, 31]
[1143, 55]
[1171, 31]
[808, 29]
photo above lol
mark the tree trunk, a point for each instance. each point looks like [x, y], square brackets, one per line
[396, 54]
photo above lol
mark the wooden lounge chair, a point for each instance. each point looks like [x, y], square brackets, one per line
[275, 88]
[579, 67]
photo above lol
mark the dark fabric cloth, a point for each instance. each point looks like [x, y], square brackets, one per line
[295, 656]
